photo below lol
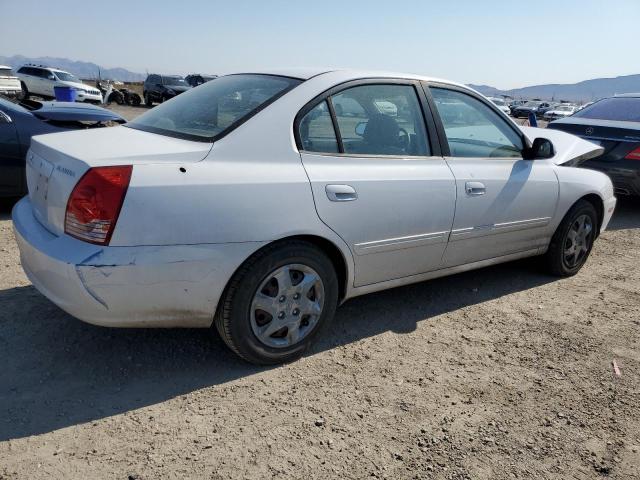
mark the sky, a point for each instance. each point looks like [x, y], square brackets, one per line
[505, 44]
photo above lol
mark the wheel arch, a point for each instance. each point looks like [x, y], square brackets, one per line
[335, 254]
[598, 203]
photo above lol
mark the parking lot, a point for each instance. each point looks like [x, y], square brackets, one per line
[499, 373]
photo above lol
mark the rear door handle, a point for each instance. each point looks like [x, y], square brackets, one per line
[475, 188]
[341, 193]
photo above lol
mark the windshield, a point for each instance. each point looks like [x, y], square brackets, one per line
[625, 109]
[175, 81]
[67, 77]
[214, 108]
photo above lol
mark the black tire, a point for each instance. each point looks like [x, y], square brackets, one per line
[233, 321]
[147, 100]
[555, 258]
[117, 97]
[25, 91]
[135, 99]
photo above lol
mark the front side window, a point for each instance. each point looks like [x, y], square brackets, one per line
[474, 129]
[381, 120]
[216, 107]
[316, 130]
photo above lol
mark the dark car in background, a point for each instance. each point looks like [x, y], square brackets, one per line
[613, 123]
[20, 121]
[158, 88]
[538, 108]
[196, 79]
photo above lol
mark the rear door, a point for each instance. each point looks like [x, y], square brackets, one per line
[378, 178]
[504, 203]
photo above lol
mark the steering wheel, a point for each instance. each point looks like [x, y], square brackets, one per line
[403, 139]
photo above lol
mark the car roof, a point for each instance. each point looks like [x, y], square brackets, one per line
[304, 73]
[5, 66]
[629, 95]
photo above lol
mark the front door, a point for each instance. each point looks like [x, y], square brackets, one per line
[376, 180]
[504, 203]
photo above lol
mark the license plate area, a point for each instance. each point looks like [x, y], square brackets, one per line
[38, 183]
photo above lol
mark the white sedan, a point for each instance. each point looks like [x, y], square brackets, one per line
[251, 204]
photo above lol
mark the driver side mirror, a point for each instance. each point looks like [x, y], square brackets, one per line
[540, 149]
[360, 128]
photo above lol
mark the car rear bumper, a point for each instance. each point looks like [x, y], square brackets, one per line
[145, 286]
[624, 174]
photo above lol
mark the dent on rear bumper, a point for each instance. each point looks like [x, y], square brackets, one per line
[146, 286]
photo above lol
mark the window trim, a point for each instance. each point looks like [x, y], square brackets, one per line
[426, 110]
[442, 136]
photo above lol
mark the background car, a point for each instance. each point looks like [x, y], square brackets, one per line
[196, 79]
[41, 80]
[158, 88]
[614, 124]
[249, 204]
[559, 111]
[516, 103]
[537, 107]
[501, 104]
[20, 121]
[9, 83]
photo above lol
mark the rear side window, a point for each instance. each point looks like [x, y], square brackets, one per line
[316, 130]
[371, 119]
[215, 108]
[473, 129]
[625, 109]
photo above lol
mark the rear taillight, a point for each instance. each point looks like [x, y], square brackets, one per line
[95, 202]
[634, 154]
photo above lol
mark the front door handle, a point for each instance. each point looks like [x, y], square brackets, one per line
[475, 188]
[341, 193]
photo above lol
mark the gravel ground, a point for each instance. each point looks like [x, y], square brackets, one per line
[499, 373]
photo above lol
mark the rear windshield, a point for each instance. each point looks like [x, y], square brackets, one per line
[625, 109]
[6, 72]
[214, 108]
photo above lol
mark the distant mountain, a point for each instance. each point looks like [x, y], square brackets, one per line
[587, 90]
[79, 69]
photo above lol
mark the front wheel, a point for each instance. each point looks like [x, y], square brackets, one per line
[572, 242]
[278, 302]
[147, 100]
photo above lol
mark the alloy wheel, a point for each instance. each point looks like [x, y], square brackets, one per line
[578, 241]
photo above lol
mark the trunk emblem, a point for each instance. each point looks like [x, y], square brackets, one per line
[589, 131]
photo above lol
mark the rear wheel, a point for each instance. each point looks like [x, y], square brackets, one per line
[278, 302]
[572, 242]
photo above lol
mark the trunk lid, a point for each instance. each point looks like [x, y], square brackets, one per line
[617, 138]
[56, 162]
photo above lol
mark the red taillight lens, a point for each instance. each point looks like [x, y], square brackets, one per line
[95, 202]
[634, 154]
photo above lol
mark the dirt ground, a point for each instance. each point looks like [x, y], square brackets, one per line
[499, 373]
